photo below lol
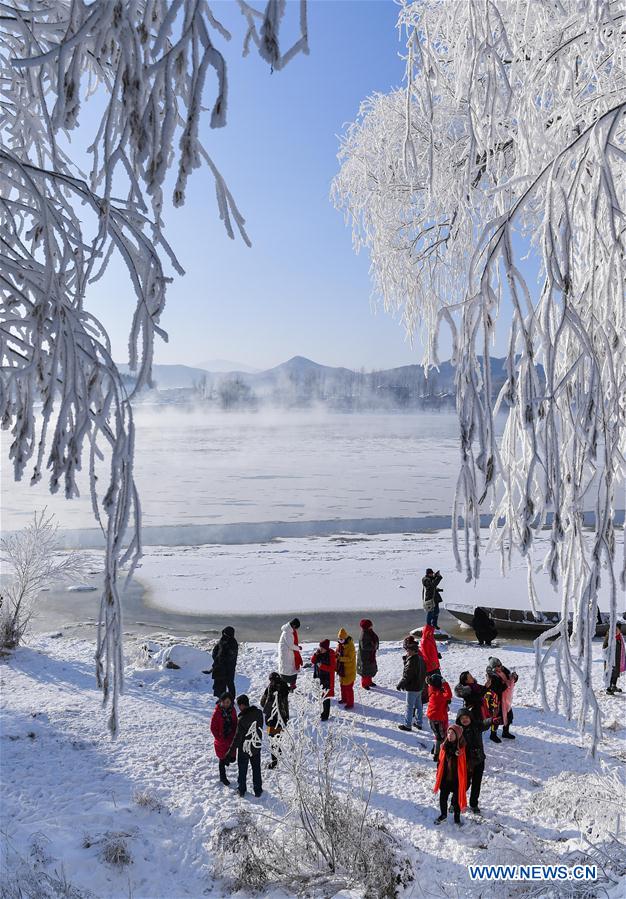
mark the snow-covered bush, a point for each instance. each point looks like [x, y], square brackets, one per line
[592, 802]
[114, 849]
[31, 560]
[326, 838]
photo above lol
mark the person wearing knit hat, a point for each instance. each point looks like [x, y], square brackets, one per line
[439, 698]
[324, 661]
[499, 697]
[366, 664]
[451, 777]
[225, 654]
[413, 680]
[474, 753]
[346, 667]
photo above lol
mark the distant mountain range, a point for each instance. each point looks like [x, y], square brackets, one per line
[300, 382]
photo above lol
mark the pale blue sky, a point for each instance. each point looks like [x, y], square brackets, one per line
[300, 289]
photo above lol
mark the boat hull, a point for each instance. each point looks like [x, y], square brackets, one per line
[519, 621]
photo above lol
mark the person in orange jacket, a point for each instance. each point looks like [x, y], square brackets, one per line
[452, 774]
[324, 661]
[439, 698]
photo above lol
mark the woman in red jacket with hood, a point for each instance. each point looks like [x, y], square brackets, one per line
[452, 774]
[428, 649]
[223, 727]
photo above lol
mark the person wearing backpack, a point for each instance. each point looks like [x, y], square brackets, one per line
[324, 661]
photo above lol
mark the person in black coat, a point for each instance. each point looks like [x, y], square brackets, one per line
[275, 705]
[484, 626]
[474, 753]
[225, 654]
[472, 693]
[247, 742]
[413, 680]
[431, 596]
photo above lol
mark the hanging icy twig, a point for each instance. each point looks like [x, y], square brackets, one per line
[143, 65]
[510, 139]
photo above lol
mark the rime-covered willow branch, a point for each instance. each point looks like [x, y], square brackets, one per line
[142, 67]
[508, 145]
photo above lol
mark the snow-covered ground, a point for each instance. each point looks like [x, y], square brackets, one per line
[66, 786]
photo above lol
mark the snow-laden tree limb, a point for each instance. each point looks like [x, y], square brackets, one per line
[142, 67]
[510, 140]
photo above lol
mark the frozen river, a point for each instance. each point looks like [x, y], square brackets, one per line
[197, 469]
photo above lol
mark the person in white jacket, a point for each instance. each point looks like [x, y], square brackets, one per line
[289, 658]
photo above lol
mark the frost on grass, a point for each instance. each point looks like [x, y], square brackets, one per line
[146, 799]
[592, 802]
[147, 71]
[324, 836]
[31, 878]
[32, 562]
[509, 142]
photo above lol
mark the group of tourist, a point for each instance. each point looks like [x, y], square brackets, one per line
[458, 748]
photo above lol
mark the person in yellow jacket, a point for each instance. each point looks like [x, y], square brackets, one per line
[346, 667]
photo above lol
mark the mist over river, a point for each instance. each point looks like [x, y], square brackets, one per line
[195, 468]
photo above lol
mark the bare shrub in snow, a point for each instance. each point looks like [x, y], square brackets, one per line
[326, 837]
[594, 802]
[23, 878]
[510, 139]
[31, 559]
[143, 70]
[114, 849]
[146, 799]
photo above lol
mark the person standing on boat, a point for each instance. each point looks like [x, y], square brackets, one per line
[618, 665]
[431, 596]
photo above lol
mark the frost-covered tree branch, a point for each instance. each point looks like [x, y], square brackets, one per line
[142, 68]
[510, 141]
[31, 562]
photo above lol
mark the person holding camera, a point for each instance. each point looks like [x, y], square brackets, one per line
[431, 596]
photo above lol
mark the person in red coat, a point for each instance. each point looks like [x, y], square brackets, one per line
[452, 774]
[324, 661]
[223, 727]
[428, 649]
[439, 698]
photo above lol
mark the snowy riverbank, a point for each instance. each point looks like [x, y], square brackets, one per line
[66, 785]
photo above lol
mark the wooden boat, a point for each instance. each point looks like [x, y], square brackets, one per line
[519, 620]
